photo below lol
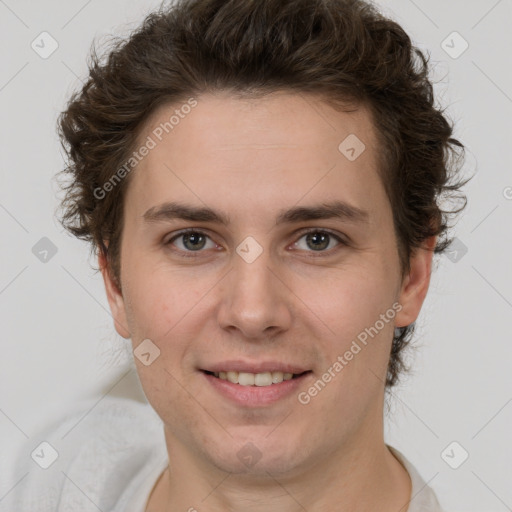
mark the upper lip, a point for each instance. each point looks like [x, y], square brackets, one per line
[255, 367]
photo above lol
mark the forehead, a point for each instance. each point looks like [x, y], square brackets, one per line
[256, 152]
[278, 118]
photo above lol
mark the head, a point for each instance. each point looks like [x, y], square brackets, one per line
[250, 110]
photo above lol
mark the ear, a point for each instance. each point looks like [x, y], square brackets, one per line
[415, 284]
[115, 298]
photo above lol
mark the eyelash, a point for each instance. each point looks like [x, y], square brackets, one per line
[190, 254]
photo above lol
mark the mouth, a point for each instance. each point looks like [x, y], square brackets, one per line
[249, 390]
[255, 379]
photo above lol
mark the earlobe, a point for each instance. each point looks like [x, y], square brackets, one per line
[416, 283]
[114, 297]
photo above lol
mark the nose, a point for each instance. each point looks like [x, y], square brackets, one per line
[255, 299]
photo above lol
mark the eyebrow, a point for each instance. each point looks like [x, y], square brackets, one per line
[331, 210]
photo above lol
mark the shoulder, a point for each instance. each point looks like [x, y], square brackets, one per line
[86, 460]
[423, 498]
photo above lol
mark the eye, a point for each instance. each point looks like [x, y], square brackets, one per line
[193, 240]
[319, 240]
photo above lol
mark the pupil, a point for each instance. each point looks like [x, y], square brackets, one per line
[324, 242]
[194, 237]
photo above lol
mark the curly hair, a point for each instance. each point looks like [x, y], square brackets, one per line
[344, 51]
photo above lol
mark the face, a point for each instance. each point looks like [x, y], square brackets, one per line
[273, 280]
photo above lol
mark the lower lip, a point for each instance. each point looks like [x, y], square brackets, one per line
[253, 396]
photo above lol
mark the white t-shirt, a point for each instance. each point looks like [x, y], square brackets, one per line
[110, 456]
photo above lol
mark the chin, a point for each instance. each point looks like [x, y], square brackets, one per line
[258, 455]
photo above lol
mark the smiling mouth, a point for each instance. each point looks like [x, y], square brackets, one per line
[258, 379]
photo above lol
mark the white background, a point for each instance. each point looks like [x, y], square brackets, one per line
[59, 347]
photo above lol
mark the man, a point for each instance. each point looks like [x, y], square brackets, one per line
[262, 182]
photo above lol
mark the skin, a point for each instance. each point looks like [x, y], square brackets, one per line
[250, 159]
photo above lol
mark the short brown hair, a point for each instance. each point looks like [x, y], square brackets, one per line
[345, 51]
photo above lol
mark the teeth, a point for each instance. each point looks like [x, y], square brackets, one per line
[246, 379]
[232, 377]
[254, 379]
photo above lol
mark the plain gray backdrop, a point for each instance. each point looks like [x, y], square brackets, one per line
[59, 346]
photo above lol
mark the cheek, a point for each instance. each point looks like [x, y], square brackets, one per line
[351, 299]
[168, 307]
[151, 310]
[158, 297]
[351, 305]
[353, 338]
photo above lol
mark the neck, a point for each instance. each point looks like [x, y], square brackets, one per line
[360, 476]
